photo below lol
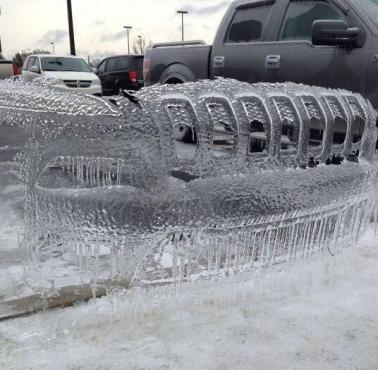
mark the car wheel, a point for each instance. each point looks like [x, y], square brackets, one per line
[184, 133]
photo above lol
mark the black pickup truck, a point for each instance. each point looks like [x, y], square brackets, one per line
[330, 43]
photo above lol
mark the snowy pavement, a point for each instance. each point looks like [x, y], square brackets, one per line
[311, 315]
[317, 314]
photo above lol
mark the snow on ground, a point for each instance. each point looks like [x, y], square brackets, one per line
[319, 314]
[316, 314]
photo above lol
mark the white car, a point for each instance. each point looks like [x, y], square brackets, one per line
[68, 72]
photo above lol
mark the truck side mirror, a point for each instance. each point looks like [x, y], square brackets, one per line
[35, 69]
[335, 33]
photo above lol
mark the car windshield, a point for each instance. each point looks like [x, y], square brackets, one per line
[64, 64]
[369, 8]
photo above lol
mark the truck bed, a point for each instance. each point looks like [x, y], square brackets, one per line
[186, 61]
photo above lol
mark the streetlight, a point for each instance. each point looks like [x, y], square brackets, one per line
[71, 28]
[128, 28]
[140, 44]
[53, 47]
[182, 12]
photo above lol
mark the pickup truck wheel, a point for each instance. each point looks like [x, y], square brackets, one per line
[181, 132]
[184, 133]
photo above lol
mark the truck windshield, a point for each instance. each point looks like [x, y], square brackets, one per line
[369, 8]
[64, 64]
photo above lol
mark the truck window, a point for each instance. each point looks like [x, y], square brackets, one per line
[369, 8]
[37, 63]
[248, 23]
[31, 63]
[300, 16]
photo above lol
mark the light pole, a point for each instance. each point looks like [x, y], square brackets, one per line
[53, 47]
[128, 28]
[71, 28]
[182, 12]
[140, 44]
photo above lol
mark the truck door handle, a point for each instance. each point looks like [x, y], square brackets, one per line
[273, 62]
[219, 61]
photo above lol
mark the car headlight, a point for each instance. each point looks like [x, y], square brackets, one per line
[56, 81]
[96, 83]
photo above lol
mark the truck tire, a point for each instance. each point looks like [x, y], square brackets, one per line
[174, 81]
[184, 133]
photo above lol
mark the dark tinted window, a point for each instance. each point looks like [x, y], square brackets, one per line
[101, 67]
[301, 15]
[118, 64]
[123, 63]
[248, 24]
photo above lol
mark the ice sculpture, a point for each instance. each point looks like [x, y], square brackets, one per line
[109, 194]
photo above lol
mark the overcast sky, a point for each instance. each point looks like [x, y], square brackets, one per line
[32, 24]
